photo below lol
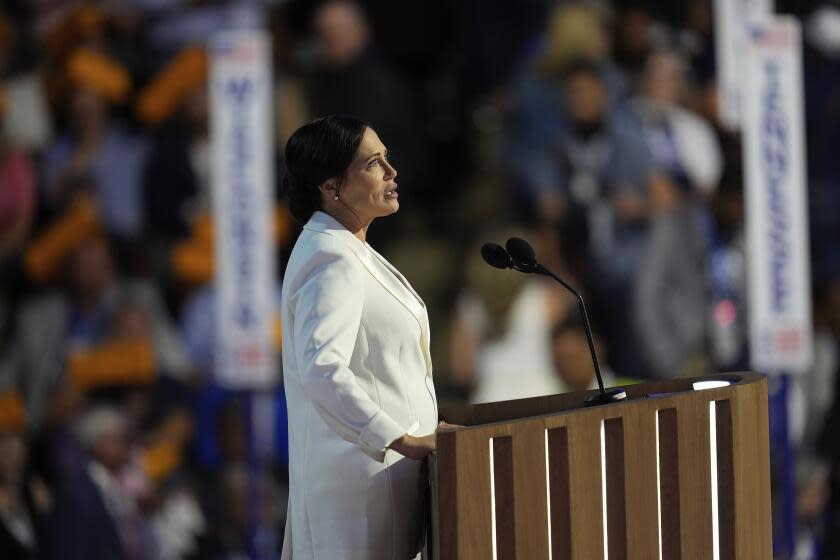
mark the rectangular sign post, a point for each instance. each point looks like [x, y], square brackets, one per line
[778, 275]
[777, 233]
[242, 181]
[732, 19]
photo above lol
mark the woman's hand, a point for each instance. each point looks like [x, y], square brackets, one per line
[418, 447]
[414, 447]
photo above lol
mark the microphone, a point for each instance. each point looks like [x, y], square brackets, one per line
[521, 256]
[496, 256]
[521, 251]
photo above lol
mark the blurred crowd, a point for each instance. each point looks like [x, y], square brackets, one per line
[589, 127]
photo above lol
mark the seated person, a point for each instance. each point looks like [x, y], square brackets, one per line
[572, 359]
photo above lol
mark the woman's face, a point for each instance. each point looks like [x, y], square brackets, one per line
[369, 189]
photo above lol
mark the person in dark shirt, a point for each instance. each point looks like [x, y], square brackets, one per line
[352, 78]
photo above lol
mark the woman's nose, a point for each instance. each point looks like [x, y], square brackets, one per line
[390, 172]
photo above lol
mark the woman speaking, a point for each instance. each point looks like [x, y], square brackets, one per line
[356, 363]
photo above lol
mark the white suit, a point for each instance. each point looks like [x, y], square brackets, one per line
[358, 375]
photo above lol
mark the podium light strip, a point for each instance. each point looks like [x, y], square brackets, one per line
[658, 486]
[713, 455]
[604, 490]
[547, 494]
[492, 501]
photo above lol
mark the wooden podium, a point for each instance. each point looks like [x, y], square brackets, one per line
[671, 473]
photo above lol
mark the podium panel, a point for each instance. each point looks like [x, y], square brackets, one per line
[671, 473]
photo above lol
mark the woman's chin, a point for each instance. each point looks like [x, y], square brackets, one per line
[391, 207]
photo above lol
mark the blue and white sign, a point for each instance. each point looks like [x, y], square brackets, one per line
[242, 182]
[777, 240]
[732, 19]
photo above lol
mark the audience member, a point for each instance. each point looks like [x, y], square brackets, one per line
[25, 501]
[539, 116]
[97, 144]
[815, 417]
[682, 145]
[571, 357]
[669, 300]
[501, 333]
[176, 177]
[602, 205]
[95, 516]
[17, 199]
[55, 326]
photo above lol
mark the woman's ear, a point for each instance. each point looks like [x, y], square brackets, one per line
[329, 187]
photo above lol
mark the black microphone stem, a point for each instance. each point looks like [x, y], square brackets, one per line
[543, 270]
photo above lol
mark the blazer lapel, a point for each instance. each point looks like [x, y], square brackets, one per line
[399, 276]
[423, 318]
[324, 223]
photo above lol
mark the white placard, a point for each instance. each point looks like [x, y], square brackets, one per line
[777, 240]
[242, 182]
[732, 19]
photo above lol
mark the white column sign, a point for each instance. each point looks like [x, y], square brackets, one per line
[777, 239]
[242, 182]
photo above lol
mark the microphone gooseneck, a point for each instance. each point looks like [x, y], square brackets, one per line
[520, 255]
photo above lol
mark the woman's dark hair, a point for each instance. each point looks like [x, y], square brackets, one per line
[318, 151]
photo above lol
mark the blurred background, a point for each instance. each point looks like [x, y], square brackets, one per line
[589, 127]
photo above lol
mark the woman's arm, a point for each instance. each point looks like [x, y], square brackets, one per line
[327, 310]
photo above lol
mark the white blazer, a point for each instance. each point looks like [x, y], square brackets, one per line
[358, 375]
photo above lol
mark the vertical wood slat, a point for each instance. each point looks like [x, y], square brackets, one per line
[529, 485]
[669, 484]
[504, 509]
[695, 479]
[473, 491]
[559, 493]
[640, 472]
[585, 487]
[445, 502]
[725, 479]
[616, 505]
[752, 471]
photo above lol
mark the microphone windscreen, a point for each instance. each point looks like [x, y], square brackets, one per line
[521, 251]
[495, 255]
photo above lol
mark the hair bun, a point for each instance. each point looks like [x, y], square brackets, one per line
[303, 201]
[288, 184]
